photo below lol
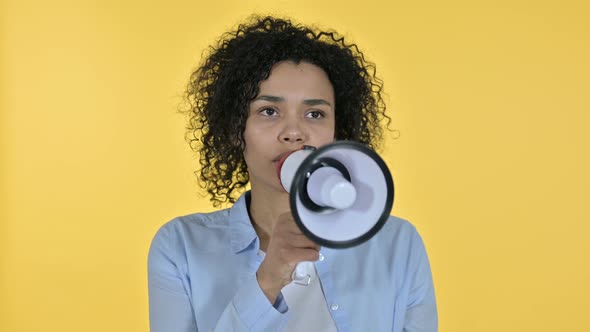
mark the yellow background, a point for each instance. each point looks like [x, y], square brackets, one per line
[491, 100]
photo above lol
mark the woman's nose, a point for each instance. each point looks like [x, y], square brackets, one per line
[292, 133]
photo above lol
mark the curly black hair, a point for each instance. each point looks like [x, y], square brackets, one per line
[222, 87]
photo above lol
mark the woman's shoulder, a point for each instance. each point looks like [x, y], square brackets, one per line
[399, 233]
[198, 221]
[397, 225]
[196, 229]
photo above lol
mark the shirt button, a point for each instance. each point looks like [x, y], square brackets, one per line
[321, 257]
[334, 307]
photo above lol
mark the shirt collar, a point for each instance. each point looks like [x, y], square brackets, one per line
[242, 232]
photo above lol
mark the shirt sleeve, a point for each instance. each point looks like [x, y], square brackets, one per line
[170, 303]
[421, 312]
[250, 310]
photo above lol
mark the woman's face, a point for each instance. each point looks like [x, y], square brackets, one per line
[295, 107]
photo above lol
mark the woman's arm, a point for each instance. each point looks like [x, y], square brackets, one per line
[421, 313]
[171, 307]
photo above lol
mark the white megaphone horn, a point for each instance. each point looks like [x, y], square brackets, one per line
[340, 195]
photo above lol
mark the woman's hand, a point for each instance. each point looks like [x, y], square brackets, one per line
[287, 247]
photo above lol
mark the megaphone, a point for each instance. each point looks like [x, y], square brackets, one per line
[341, 195]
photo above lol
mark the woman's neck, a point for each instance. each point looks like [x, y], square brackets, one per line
[266, 205]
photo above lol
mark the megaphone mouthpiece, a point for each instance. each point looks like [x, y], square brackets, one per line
[289, 163]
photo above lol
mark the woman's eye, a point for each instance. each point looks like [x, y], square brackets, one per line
[268, 112]
[315, 115]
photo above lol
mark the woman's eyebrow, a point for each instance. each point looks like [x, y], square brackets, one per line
[277, 99]
[273, 99]
[313, 102]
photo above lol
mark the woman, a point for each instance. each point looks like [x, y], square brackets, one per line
[266, 90]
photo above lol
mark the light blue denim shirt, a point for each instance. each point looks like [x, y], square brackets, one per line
[202, 277]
